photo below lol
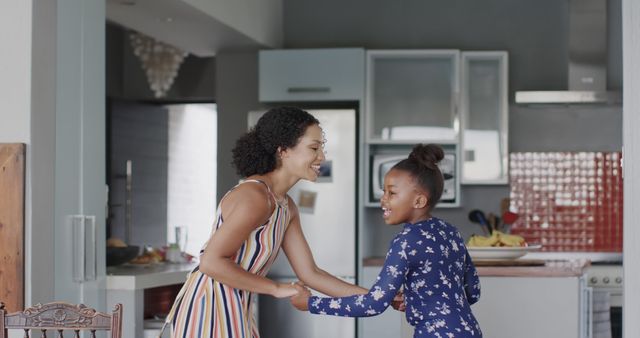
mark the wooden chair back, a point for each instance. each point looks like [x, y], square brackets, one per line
[58, 317]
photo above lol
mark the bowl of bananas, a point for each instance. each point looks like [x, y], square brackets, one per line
[499, 246]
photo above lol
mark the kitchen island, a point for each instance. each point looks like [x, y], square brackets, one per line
[126, 285]
[548, 300]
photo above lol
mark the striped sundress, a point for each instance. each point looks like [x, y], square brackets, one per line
[207, 308]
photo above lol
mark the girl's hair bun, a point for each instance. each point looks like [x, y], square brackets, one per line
[422, 164]
[428, 155]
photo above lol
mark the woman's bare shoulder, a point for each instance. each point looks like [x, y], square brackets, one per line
[253, 192]
[250, 197]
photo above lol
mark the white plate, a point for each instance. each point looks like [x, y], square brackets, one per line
[501, 252]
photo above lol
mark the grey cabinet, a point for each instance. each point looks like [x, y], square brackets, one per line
[298, 75]
[79, 175]
[456, 99]
[484, 114]
[551, 306]
[412, 97]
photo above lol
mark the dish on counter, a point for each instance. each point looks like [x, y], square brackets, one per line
[139, 265]
[501, 252]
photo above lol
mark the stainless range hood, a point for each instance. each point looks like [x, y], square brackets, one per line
[587, 59]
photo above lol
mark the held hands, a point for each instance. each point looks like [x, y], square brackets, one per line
[291, 290]
[287, 290]
[300, 300]
[398, 302]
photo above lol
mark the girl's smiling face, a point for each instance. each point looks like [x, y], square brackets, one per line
[403, 201]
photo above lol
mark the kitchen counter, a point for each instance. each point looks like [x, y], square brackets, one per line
[575, 268]
[551, 268]
[126, 285]
[131, 277]
[548, 298]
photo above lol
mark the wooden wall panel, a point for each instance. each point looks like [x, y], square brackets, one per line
[12, 180]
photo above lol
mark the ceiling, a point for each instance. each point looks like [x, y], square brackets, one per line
[180, 24]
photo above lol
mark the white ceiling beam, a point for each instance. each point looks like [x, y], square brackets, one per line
[203, 27]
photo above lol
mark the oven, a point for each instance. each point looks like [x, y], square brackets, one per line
[605, 279]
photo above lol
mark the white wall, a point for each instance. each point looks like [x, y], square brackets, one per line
[15, 67]
[192, 174]
[15, 94]
[631, 144]
[260, 20]
[36, 70]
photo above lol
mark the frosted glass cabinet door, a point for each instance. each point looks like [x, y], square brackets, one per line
[412, 95]
[484, 111]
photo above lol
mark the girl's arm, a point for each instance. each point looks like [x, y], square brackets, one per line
[243, 210]
[471, 281]
[299, 254]
[377, 299]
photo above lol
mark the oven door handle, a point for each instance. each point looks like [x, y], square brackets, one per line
[588, 325]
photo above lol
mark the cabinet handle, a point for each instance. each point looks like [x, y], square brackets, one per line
[91, 260]
[84, 251]
[78, 248]
[296, 90]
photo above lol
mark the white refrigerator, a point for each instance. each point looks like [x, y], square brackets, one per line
[328, 217]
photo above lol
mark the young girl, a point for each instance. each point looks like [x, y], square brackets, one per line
[255, 219]
[427, 258]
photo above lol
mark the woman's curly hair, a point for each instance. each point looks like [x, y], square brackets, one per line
[281, 127]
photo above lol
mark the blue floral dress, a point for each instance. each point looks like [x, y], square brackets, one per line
[430, 262]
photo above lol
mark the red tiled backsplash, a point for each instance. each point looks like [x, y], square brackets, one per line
[568, 201]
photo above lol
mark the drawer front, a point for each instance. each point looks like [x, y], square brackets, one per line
[311, 75]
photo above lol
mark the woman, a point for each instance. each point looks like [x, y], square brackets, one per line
[254, 220]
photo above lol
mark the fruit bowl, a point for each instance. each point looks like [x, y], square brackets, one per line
[501, 252]
[121, 255]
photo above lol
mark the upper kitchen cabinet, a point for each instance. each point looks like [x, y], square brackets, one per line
[484, 112]
[299, 75]
[412, 96]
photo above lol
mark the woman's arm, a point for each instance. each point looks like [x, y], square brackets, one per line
[376, 300]
[301, 259]
[243, 210]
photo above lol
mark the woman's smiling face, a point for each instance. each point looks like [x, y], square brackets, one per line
[304, 159]
[401, 199]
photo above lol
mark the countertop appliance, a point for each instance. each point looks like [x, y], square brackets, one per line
[382, 163]
[328, 217]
